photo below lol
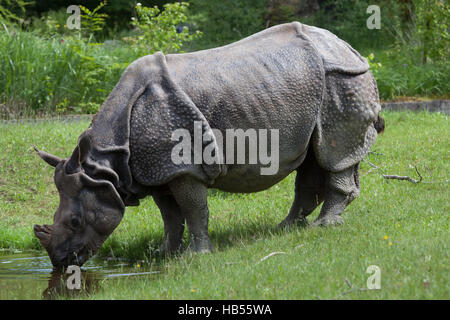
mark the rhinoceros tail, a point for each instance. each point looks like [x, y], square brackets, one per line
[379, 124]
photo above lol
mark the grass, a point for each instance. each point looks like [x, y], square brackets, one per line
[401, 227]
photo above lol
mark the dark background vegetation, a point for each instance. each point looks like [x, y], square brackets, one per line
[47, 68]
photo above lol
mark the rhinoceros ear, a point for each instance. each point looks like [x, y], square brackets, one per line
[79, 155]
[47, 157]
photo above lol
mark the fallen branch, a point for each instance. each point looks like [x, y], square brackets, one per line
[271, 255]
[405, 177]
[376, 153]
[352, 290]
[394, 177]
[348, 283]
[370, 170]
[371, 164]
[374, 167]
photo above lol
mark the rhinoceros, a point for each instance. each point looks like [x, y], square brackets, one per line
[303, 81]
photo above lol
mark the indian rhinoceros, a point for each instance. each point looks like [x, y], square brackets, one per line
[303, 81]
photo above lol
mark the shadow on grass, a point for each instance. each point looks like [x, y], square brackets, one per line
[146, 247]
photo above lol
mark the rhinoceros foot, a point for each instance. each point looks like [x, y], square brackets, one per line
[296, 222]
[201, 245]
[168, 249]
[329, 220]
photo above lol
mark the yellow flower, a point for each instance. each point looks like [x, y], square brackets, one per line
[193, 290]
[138, 265]
[390, 243]
[385, 237]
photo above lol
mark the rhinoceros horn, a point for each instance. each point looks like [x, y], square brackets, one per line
[43, 233]
[47, 157]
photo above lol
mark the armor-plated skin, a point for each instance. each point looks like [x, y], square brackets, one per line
[301, 80]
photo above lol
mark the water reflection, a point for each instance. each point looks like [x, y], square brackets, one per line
[58, 288]
[31, 276]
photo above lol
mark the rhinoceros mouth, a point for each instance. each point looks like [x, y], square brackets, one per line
[75, 257]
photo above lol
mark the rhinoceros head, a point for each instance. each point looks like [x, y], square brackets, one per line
[89, 210]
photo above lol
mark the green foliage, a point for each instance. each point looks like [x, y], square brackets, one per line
[9, 10]
[431, 19]
[158, 29]
[280, 12]
[49, 68]
[54, 23]
[399, 74]
[375, 66]
[57, 74]
[348, 20]
[65, 71]
[91, 20]
[422, 33]
[50, 24]
[223, 22]
[396, 51]
[89, 107]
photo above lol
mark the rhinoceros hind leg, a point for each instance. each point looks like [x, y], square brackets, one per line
[309, 192]
[191, 196]
[173, 224]
[342, 188]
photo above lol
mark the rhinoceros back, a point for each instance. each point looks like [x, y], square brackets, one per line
[271, 80]
[337, 55]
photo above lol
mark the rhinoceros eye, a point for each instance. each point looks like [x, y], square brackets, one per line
[75, 221]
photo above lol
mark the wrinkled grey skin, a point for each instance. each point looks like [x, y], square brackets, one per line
[302, 80]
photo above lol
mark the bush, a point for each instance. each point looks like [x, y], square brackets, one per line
[223, 22]
[54, 22]
[400, 75]
[58, 70]
[58, 74]
[161, 30]
[51, 24]
[348, 20]
[91, 20]
[431, 18]
[10, 11]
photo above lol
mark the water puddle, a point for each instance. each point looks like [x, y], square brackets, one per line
[31, 276]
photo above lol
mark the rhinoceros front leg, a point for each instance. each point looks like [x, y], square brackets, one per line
[191, 196]
[341, 189]
[173, 223]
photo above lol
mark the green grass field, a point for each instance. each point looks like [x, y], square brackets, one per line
[401, 227]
